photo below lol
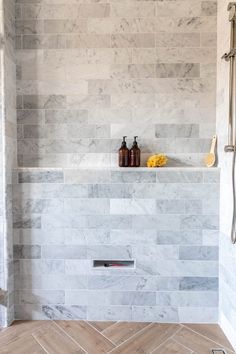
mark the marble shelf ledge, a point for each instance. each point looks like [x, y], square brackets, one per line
[135, 169]
[117, 175]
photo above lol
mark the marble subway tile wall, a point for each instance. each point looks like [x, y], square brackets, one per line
[227, 309]
[90, 72]
[166, 221]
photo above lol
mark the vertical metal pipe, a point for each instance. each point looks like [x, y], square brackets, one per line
[231, 89]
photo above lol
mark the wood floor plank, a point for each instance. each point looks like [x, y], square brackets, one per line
[71, 337]
[213, 332]
[122, 331]
[101, 326]
[54, 341]
[172, 347]
[194, 341]
[18, 330]
[149, 339]
[88, 337]
[24, 345]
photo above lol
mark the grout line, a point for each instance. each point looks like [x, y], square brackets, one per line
[202, 335]
[184, 346]
[36, 340]
[141, 330]
[111, 325]
[178, 329]
[77, 343]
[100, 333]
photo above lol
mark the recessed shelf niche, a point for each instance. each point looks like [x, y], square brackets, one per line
[106, 263]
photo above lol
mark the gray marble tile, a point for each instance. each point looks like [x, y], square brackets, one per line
[154, 313]
[27, 251]
[199, 283]
[37, 267]
[133, 237]
[44, 102]
[210, 237]
[127, 40]
[109, 252]
[87, 176]
[46, 41]
[194, 207]
[177, 70]
[173, 268]
[110, 190]
[64, 252]
[133, 177]
[170, 206]
[51, 281]
[198, 252]
[38, 206]
[109, 222]
[133, 298]
[66, 116]
[211, 206]
[65, 26]
[201, 315]
[109, 313]
[78, 266]
[160, 222]
[115, 282]
[29, 27]
[87, 297]
[60, 312]
[41, 297]
[132, 207]
[211, 176]
[75, 191]
[32, 116]
[209, 8]
[141, 252]
[200, 222]
[59, 221]
[30, 312]
[86, 237]
[27, 222]
[187, 299]
[85, 207]
[49, 176]
[193, 237]
[179, 176]
[164, 39]
[177, 130]
[201, 191]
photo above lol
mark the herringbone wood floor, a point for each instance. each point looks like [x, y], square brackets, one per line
[67, 337]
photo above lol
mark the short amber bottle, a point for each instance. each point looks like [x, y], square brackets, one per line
[124, 154]
[135, 154]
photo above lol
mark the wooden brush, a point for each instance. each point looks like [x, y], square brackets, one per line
[210, 158]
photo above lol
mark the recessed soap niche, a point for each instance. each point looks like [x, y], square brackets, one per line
[107, 263]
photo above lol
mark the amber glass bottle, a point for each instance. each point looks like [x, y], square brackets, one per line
[135, 154]
[124, 154]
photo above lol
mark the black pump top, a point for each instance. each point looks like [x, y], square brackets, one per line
[135, 144]
[124, 142]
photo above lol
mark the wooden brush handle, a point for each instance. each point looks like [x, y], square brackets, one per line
[213, 144]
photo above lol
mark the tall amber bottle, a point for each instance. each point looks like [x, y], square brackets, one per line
[124, 154]
[135, 154]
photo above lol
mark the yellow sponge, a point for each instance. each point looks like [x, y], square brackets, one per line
[157, 161]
